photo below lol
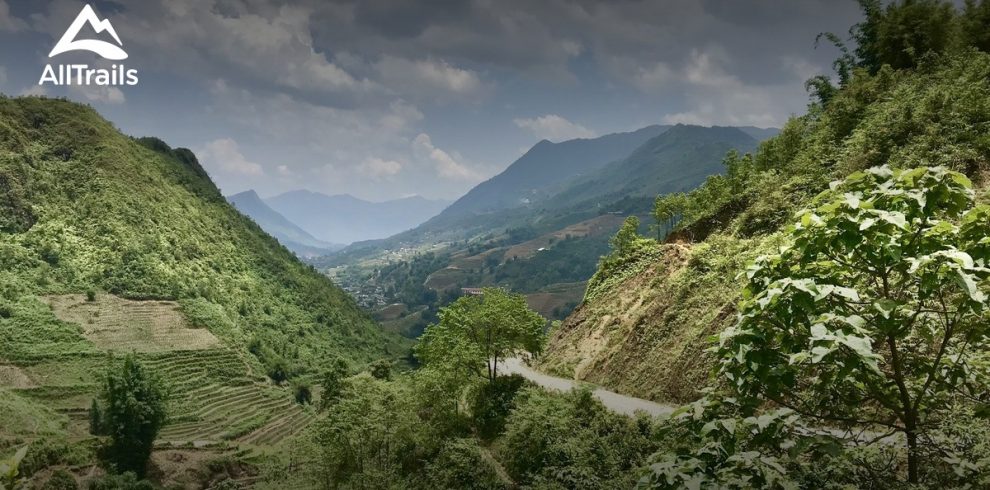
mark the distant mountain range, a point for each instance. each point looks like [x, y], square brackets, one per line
[589, 176]
[678, 159]
[540, 226]
[286, 232]
[347, 219]
[546, 165]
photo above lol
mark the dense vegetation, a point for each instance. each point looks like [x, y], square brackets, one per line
[913, 95]
[87, 208]
[876, 316]
[454, 424]
[110, 243]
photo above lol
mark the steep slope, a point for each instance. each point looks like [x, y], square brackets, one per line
[168, 265]
[346, 219]
[646, 319]
[286, 232]
[534, 175]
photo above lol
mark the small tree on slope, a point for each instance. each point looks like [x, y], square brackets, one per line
[876, 313]
[133, 405]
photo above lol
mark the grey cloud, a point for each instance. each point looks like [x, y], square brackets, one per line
[377, 96]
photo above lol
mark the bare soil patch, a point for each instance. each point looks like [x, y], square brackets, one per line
[123, 325]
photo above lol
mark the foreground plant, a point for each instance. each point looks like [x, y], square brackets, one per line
[10, 474]
[875, 315]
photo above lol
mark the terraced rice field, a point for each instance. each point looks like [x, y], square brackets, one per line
[122, 325]
[217, 398]
[215, 395]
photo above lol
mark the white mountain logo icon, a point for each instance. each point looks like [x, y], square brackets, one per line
[102, 48]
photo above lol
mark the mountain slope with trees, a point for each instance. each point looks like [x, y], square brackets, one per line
[546, 248]
[674, 296]
[546, 165]
[89, 208]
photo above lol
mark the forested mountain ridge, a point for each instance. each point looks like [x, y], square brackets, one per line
[675, 296]
[110, 244]
[534, 175]
[276, 225]
[677, 160]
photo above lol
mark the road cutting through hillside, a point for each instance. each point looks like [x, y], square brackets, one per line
[628, 405]
[613, 401]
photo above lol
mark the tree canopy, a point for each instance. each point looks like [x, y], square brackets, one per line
[132, 407]
[875, 313]
[476, 332]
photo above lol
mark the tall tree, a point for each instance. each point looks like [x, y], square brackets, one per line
[976, 24]
[476, 332]
[133, 406]
[875, 314]
[667, 211]
[900, 33]
[625, 239]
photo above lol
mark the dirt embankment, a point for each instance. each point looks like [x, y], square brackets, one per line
[646, 334]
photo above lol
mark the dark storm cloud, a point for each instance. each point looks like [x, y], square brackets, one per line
[406, 19]
[543, 38]
[385, 98]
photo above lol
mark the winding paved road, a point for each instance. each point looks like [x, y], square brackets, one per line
[628, 405]
[617, 403]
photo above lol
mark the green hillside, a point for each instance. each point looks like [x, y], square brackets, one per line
[547, 248]
[546, 166]
[110, 244]
[672, 297]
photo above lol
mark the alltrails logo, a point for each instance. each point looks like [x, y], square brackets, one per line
[83, 74]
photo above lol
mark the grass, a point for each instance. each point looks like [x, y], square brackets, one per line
[25, 418]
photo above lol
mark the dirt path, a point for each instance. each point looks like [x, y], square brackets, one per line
[613, 401]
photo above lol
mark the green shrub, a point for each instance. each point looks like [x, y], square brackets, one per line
[460, 464]
[60, 480]
[492, 404]
[133, 402]
[125, 481]
[381, 369]
[48, 452]
[572, 441]
[302, 393]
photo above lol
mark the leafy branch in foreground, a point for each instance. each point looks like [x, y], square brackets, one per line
[869, 330]
[875, 314]
[10, 474]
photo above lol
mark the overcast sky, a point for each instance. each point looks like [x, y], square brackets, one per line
[384, 99]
